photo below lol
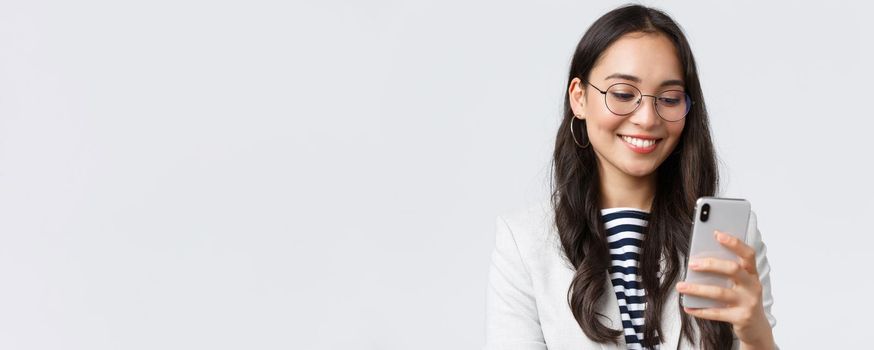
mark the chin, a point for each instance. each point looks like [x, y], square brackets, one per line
[639, 171]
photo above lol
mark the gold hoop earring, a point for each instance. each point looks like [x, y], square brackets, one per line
[572, 133]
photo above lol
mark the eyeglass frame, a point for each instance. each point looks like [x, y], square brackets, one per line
[654, 101]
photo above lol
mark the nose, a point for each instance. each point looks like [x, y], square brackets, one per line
[646, 115]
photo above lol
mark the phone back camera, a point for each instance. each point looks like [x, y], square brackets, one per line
[705, 212]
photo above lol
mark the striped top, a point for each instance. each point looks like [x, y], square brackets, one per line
[624, 237]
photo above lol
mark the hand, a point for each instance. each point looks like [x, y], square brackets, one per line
[743, 300]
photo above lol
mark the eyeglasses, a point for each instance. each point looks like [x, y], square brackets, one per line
[623, 99]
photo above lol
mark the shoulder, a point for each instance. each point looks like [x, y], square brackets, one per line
[753, 236]
[531, 227]
[529, 217]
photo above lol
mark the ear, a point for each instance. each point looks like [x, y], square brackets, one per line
[577, 97]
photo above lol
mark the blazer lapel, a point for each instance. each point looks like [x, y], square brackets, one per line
[672, 322]
[609, 306]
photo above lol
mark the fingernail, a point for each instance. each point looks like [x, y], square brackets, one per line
[681, 286]
[721, 236]
[694, 264]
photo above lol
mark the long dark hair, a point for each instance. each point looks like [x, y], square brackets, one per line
[688, 173]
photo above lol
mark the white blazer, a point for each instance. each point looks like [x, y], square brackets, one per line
[526, 299]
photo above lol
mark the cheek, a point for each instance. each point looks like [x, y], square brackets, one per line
[675, 130]
[599, 116]
[603, 126]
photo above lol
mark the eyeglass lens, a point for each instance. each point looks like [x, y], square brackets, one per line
[671, 105]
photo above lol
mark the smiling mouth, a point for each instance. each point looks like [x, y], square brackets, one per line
[640, 142]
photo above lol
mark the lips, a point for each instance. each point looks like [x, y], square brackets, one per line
[640, 143]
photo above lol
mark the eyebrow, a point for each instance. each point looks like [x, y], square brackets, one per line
[637, 80]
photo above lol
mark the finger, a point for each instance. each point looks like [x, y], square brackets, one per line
[746, 253]
[710, 313]
[732, 269]
[725, 295]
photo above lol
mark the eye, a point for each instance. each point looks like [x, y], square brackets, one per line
[622, 96]
[672, 98]
[669, 101]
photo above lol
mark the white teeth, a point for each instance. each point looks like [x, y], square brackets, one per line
[638, 142]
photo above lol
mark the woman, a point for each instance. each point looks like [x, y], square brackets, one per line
[599, 265]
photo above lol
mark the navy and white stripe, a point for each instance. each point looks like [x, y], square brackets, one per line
[625, 233]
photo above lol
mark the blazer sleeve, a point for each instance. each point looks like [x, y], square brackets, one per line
[512, 321]
[754, 240]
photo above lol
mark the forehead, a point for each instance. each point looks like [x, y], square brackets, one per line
[652, 57]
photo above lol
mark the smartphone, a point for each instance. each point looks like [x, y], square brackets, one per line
[728, 215]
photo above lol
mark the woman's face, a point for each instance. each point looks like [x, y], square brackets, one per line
[625, 143]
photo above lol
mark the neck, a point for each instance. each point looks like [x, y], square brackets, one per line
[622, 190]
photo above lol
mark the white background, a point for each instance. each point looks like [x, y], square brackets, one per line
[325, 175]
